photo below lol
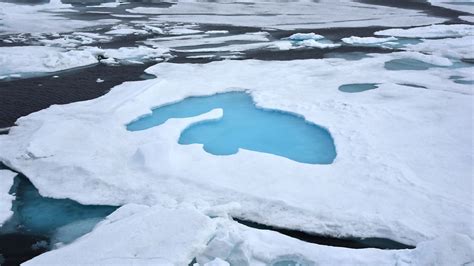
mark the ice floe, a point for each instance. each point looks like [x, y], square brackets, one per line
[367, 40]
[6, 183]
[126, 31]
[30, 60]
[139, 235]
[74, 39]
[181, 235]
[432, 31]
[316, 44]
[305, 36]
[55, 144]
[207, 40]
[298, 15]
[36, 19]
[24, 61]
[457, 48]
[183, 31]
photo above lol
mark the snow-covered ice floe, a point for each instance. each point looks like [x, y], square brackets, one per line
[367, 40]
[40, 19]
[178, 235]
[24, 61]
[432, 31]
[37, 59]
[298, 15]
[403, 169]
[393, 180]
[6, 182]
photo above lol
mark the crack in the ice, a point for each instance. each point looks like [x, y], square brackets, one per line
[354, 243]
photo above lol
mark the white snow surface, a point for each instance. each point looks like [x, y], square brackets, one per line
[467, 18]
[404, 155]
[280, 15]
[40, 19]
[126, 31]
[316, 44]
[34, 60]
[138, 235]
[206, 40]
[432, 31]
[174, 235]
[6, 182]
[306, 36]
[367, 40]
[457, 48]
[183, 31]
[459, 5]
[37, 59]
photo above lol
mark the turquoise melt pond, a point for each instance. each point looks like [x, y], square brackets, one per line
[245, 126]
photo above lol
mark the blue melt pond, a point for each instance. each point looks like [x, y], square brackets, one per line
[357, 87]
[245, 126]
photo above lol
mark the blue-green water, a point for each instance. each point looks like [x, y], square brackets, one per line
[34, 214]
[407, 64]
[400, 43]
[245, 126]
[462, 80]
[413, 64]
[357, 87]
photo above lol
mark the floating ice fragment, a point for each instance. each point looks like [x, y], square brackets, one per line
[367, 40]
[316, 44]
[6, 182]
[217, 32]
[305, 36]
[183, 31]
[432, 31]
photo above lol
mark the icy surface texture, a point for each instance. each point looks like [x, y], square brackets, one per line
[6, 182]
[53, 147]
[181, 234]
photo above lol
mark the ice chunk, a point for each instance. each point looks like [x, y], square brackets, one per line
[305, 36]
[6, 182]
[432, 31]
[316, 44]
[367, 40]
[183, 31]
[37, 59]
[126, 31]
[151, 236]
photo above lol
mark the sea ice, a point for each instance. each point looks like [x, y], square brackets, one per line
[40, 19]
[432, 31]
[6, 182]
[305, 36]
[298, 15]
[176, 235]
[124, 30]
[37, 59]
[140, 235]
[456, 48]
[53, 148]
[367, 40]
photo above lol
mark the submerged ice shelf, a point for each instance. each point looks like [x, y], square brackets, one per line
[39, 223]
[41, 215]
[245, 126]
